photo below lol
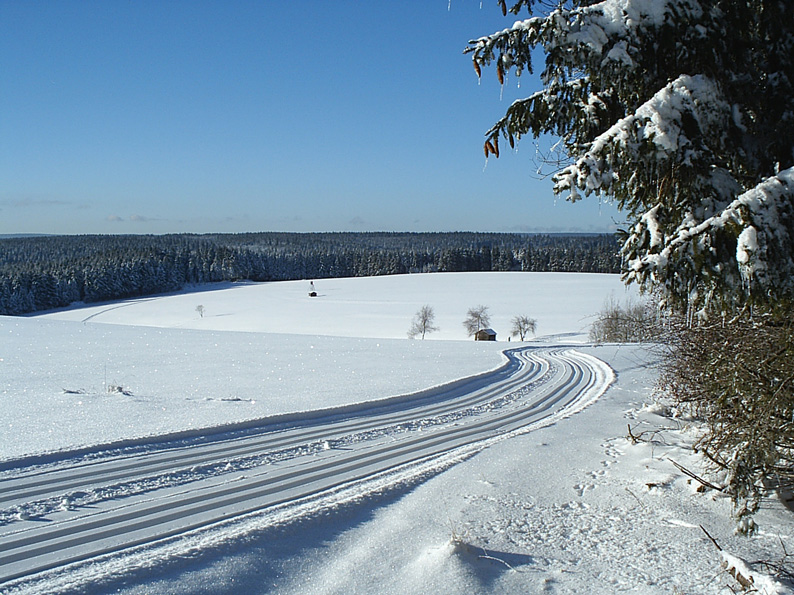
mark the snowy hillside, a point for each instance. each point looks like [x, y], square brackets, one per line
[569, 507]
[184, 371]
[374, 307]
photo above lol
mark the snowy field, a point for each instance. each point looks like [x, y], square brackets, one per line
[292, 352]
[573, 507]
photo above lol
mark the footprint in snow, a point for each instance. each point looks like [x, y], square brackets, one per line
[611, 450]
[581, 489]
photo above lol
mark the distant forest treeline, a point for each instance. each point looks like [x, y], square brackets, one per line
[41, 273]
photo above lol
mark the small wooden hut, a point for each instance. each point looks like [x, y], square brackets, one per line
[486, 334]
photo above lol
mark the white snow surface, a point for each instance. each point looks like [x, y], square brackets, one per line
[291, 353]
[571, 507]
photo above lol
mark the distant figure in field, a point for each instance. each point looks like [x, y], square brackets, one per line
[312, 291]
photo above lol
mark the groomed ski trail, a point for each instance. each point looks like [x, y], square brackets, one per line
[78, 510]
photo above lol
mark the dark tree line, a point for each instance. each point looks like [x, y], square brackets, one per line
[42, 273]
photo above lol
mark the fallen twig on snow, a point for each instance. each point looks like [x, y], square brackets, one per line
[739, 570]
[696, 477]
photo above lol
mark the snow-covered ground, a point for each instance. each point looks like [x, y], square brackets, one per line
[292, 352]
[573, 507]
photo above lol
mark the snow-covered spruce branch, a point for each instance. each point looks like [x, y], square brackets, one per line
[600, 41]
[608, 31]
[656, 131]
[533, 115]
[514, 46]
[762, 222]
[672, 109]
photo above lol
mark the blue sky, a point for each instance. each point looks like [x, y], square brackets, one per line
[169, 116]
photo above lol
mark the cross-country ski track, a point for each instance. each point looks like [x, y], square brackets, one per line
[76, 508]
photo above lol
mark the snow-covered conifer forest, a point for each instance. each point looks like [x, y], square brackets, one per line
[40, 273]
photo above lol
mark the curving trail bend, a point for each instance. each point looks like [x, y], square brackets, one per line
[81, 508]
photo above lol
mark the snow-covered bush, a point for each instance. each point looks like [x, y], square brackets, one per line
[739, 379]
[630, 322]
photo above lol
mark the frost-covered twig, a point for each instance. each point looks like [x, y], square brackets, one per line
[485, 556]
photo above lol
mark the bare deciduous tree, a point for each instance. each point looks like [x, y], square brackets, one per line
[522, 326]
[423, 323]
[477, 318]
[631, 322]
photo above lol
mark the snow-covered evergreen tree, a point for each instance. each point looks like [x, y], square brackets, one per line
[681, 111]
